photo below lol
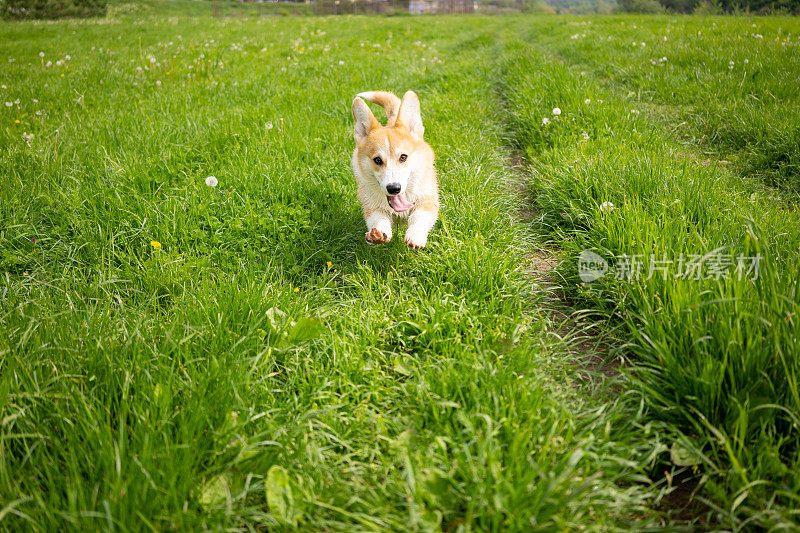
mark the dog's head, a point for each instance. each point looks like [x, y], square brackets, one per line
[390, 154]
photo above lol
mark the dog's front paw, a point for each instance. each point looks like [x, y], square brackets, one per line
[376, 236]
[416, 239]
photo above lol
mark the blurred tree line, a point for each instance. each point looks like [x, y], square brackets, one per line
[707, 7]
[712, 7]
[51, 9]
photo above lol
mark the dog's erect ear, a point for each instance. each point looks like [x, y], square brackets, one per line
[365, 120]
[409, 115]
[388, 101]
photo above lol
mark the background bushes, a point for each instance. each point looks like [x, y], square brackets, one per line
[712, 7]
[51, 9]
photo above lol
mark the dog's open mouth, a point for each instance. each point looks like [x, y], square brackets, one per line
[399, 203]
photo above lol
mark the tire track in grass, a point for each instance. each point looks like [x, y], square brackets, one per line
[715, 360]
[590, 335]
[571, 325]
[575, 326]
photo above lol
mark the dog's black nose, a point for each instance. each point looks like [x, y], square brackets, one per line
[393, 188]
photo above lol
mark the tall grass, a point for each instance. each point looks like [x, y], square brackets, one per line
[177, 356]
[715, 357]
[726, 85]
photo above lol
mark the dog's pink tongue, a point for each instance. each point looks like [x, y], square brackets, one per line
[399, 203]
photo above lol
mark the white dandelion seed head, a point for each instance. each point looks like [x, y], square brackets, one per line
[41, 54]
[67, 57]
[269, 125]
[9, 104]
[587, 101]
[606, 206]
[585, 136]
[211, 181]
[341, 62]
[556, 111]
[545, 121]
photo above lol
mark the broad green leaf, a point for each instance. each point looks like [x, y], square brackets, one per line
[305, 329]
[400, 368]
[280, 496]
[215, 491]
[277, 319]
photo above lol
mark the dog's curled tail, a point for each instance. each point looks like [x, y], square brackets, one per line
[385, 99]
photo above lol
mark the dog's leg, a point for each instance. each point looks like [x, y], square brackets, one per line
[379, 225]
[420, 223]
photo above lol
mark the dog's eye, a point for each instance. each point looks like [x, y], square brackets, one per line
[403, 158]
[378, 161]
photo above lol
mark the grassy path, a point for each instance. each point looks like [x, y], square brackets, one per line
[180, 356]
[177, 356]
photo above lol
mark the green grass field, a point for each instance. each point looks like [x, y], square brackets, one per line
[179, 356]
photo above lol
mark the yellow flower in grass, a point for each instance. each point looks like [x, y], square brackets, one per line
[156, 245]
[329, 263]
[297, 289]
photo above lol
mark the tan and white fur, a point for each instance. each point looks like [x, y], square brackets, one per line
[394, 168]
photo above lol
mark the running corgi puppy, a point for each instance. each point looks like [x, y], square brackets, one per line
[394, 168]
